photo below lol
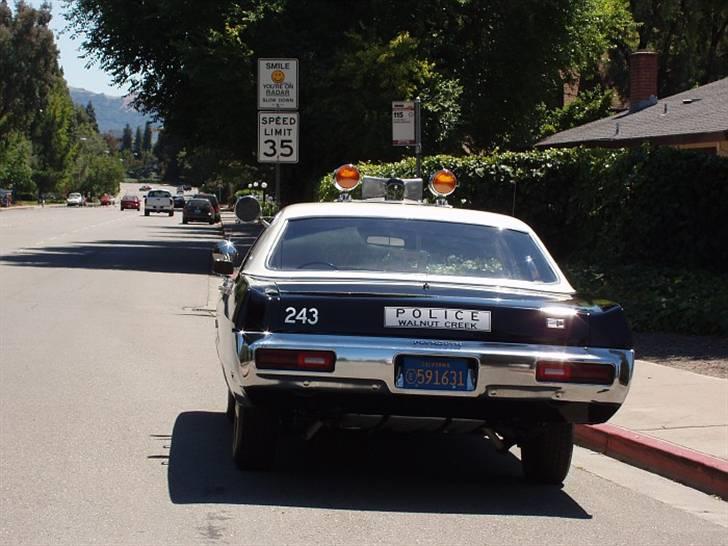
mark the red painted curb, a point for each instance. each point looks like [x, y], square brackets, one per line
[697, 470]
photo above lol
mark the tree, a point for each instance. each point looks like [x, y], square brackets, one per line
[91, 113]
[15, 164]
[28, 64]
[54, 142]
[137, 148]
[126, 139]
[690, 37]
[484, 69]
[147, 138]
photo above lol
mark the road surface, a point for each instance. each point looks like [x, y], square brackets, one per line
[112, 428]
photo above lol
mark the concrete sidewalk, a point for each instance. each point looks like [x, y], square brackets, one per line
[674, 422]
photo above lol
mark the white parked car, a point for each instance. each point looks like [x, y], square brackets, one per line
[158, 201]
[75, 200]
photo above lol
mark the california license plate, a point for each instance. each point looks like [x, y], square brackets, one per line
[435, 373]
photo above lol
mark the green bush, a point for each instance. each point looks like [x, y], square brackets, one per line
[659, 299]
[649, 205]
[646, 227]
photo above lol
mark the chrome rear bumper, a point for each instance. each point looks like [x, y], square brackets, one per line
[367, 365]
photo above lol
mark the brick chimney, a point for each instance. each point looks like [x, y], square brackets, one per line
[642, 80]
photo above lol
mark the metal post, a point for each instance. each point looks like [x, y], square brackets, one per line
[418, 138]
[278, 184]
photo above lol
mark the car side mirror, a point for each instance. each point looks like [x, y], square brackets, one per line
[224, 257]
[223, 268]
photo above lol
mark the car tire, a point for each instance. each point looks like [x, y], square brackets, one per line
[255, 435]
[146, 213]
[171, 213]
[185, 220]
[546, 453]
[212, 222]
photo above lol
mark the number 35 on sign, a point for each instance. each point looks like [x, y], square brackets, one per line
[278, 137]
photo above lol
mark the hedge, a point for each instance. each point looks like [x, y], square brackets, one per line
[657, 206]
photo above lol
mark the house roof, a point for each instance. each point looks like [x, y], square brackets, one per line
[697, 115]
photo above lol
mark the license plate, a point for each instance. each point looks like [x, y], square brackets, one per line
[435, 373]
[197, 211]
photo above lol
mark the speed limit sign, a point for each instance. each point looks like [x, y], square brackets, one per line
[278, 137]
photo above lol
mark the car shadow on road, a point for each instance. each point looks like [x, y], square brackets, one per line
[421, 473]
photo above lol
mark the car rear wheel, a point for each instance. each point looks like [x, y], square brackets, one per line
[546, 453]
[185, 220]
[146, 213]
[255, 435]
[171, 213]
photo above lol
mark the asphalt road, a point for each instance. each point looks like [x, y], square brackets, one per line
[112, 428]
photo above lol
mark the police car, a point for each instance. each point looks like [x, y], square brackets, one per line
[390, 313]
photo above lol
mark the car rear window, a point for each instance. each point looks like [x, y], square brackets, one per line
[201, 203]
[159, 193]
[409, 246]
[209, 197]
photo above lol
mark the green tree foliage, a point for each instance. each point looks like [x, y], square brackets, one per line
[137, 146]
[483, 68]
[53, 139]
[588, 106]
[42, 135]
[147, 138]
[16, 164]
[126, 139]
[28, 65]
[691, 38]
[97, 169]
[91, 113]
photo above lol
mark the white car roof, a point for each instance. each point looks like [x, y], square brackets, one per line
[401, 210]
[256, 262]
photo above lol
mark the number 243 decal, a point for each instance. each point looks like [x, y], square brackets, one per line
[307, 315]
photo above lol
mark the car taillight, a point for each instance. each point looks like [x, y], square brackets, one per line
[287, 359]
[574, 372]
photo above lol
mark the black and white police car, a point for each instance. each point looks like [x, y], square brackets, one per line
[386, 312]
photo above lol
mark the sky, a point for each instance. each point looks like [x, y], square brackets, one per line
[74, 68]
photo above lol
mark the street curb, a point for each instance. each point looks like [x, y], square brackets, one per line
[29, 207]
[694, 469]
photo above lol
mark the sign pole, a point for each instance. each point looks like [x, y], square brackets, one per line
[418, 137]
[278, 183]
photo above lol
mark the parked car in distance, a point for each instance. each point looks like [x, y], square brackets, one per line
[213, 200]
[6, 198]
[179, 201]
[198, 210]
[106, 200]
[145, 187]
[75, 200]
[131, 202]
[158, 201]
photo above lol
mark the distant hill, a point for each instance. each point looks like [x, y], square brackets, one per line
[112, 113]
